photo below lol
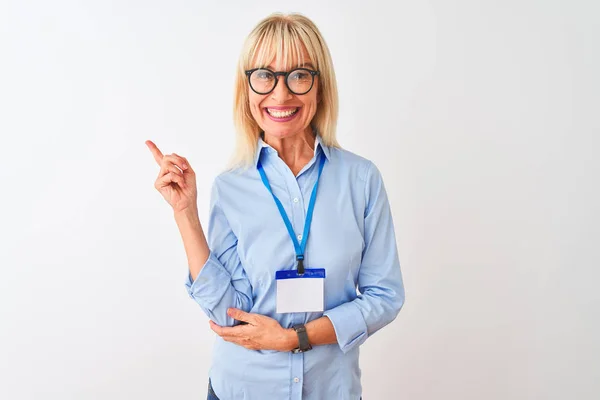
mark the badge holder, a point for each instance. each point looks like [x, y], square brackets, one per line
[300, 292]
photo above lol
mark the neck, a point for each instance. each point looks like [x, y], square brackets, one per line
[296, 150]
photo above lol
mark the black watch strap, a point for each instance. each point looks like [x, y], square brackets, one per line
[304, 345]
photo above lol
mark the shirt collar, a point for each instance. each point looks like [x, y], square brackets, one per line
[262, 144]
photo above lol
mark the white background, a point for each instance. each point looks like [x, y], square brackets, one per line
[480, 115]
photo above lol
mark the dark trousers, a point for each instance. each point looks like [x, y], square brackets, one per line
[213, 396]
[211, 393]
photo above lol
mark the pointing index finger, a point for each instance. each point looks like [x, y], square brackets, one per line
[158, 155]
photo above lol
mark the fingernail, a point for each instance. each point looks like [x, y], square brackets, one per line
[184, 166]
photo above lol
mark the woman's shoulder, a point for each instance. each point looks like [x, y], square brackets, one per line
[348, 156]
[351, 162]
[235, 177]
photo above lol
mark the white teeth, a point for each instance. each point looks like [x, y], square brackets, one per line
[281, 114]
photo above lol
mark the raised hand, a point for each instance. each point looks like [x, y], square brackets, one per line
[176, 180]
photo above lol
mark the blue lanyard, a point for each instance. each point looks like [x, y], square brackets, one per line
[298, 247]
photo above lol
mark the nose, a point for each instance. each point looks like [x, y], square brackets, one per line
[281, 93]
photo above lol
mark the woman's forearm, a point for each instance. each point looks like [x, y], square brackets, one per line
[321, 331]
[194, 241]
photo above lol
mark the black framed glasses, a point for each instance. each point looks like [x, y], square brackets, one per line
[299, 80]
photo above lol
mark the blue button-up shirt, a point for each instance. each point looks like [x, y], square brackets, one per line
[351, 236]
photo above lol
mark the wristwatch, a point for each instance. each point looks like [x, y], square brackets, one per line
[304, 345]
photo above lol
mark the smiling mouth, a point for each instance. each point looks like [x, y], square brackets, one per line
[282, 113]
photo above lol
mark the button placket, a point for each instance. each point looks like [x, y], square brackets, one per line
[297, 373]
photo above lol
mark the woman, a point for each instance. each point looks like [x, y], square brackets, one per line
[296, 225]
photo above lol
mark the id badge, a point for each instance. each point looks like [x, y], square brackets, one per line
[300, 293]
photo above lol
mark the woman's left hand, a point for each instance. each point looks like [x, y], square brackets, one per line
[260, 332]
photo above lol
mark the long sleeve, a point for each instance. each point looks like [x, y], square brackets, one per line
[379, 279]
[222, 281]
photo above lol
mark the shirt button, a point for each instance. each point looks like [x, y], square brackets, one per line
[299, 237]
[296, 380]
[295, 199]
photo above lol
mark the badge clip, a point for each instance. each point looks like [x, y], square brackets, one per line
[300, 259]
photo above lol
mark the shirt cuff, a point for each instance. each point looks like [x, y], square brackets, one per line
[211, 283]
[349, 325]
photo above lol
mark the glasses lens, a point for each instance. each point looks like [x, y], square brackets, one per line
[262, 80]
[300, 81]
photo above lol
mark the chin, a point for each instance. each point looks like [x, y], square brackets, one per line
[280, 133]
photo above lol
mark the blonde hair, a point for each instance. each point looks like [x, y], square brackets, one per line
[280, 37]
